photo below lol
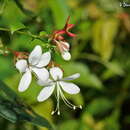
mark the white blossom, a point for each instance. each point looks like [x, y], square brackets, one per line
[58, 83]
[35, 64]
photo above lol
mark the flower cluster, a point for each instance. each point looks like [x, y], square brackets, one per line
[38, 63]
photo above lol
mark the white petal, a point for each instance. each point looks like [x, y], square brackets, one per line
[45, 93]
[25, 81]
[66, 46]
[35, 55]
[21, 65]
[44, 60]
[42, 74]
[56, 73]
[66, 55]
[45, 83]
[69, 87]
[72, 77]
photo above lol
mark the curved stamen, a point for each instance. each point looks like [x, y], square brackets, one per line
[67, 102]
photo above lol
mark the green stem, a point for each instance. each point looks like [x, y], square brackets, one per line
[21, 32]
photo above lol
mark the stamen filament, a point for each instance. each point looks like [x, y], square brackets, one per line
[58, 101]
[67, 102]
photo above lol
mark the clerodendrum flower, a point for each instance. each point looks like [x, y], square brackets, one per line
[36, 63]
[58, 82]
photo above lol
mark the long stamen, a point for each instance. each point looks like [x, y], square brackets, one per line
[67, 102]
[58, 101]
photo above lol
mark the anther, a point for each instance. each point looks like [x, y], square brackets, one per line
[58, 112]
[52, 113]
[80, 107]
[74, 107]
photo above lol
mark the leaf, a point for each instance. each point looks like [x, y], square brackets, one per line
[59, 11]
[13, 110]
[45, 45]
[18, 40]
[69, 125]
[104, 31]
[36, 120]
[13, 16]
[7, 113]
[37, 42]
[16, 26]
[99, 106]
[47, 105]
[112, 122]
[113, 69]
[9, 92]
[6, 68]
[86, 77]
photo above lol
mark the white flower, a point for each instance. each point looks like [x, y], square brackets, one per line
[64, 49]
[36, 63]
[58, 83]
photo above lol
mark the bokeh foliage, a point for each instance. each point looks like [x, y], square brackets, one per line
[100, 53]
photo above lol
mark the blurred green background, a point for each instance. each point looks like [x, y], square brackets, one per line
[100, 53]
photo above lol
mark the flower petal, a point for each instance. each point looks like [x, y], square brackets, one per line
[21, 65]
[44, 60]
[45, 93]
[65, 46]
[69, 87]
[66, 55]
[56, 73]
[42, 74]
[72, 77]
[35, 55]
[49, 82]
[25, 81]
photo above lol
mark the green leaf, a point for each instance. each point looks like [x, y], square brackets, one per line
[6, 112]
[9, 92]
[59, 11]
[86, 77]
[113, 69]
[35, 119]
[16, 26]
[104, 31]
[12, 16]
[43, 33]
[18, 40]
[12, 109]
[99, 106]
[6, 69]
[47, 105]
[112, 122]
[69, 125]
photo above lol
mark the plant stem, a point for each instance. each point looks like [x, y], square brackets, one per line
[21, 32]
